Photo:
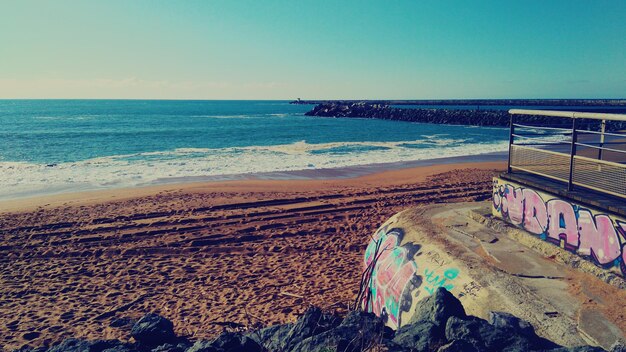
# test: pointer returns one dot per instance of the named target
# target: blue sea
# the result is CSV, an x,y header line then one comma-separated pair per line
x,y
51,146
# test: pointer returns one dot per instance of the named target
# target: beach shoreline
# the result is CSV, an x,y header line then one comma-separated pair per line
x,y
344,172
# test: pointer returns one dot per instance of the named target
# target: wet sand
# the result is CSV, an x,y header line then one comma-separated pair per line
x,y
205,255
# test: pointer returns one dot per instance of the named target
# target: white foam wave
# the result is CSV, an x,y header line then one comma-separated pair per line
x,y
243,116
225,116
144,168
65,118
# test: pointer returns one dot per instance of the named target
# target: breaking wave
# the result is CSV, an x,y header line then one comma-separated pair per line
x,y
24,178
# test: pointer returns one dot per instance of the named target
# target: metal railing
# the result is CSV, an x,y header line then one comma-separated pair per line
x,y
579,149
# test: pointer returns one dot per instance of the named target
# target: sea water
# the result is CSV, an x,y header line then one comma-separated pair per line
x,y
49,146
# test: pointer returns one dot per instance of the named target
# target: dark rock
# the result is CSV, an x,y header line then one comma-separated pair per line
x,y
337,339
391,346
24,348
312,322
509,321
153,330
357,332
458,346
272,338
388,333
235,342
420,336
578,349
121,323
101,345
76,345
120,348
27,348
71,345
168,347
484,336
438,308
362,329
202,346
367,322
512,324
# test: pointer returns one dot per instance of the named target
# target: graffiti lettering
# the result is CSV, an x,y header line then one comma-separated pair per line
x,y
535,215
568,225
435,258
562,223
470,289
600,241
393,277
513,204
432,281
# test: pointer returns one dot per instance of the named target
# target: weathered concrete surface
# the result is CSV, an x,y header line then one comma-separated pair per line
x,y
489,270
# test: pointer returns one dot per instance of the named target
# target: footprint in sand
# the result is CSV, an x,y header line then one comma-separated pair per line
x,y
31,335
66,316
12,325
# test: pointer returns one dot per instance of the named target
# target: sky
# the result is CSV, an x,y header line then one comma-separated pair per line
x,y
270,49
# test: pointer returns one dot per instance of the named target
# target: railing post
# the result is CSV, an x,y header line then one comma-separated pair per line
x,y
602,130
570,184
511,132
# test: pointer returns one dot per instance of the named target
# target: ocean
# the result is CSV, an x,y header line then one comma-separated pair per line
x,y
53,146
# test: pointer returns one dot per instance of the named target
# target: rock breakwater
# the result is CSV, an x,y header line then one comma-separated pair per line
x,y
477,117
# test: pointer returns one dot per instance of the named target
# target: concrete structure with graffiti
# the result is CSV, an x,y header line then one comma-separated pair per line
x,y
488,269
404,265
565,192
595,234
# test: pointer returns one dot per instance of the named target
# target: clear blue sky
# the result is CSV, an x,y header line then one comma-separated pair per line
x,y
313,49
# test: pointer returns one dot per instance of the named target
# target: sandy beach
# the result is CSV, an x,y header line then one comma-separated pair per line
x,y
206,255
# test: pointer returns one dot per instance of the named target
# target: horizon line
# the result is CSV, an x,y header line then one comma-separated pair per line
x,y
312,100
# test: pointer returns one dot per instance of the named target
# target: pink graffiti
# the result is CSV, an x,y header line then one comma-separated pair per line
x,y
535,214
600,238
566,224
562,224
389,264
513,204
393,270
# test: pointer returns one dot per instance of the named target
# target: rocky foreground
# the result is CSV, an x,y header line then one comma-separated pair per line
x,y
441,324
484,117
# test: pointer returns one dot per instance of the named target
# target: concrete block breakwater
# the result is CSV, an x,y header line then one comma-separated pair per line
x,y
489,118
